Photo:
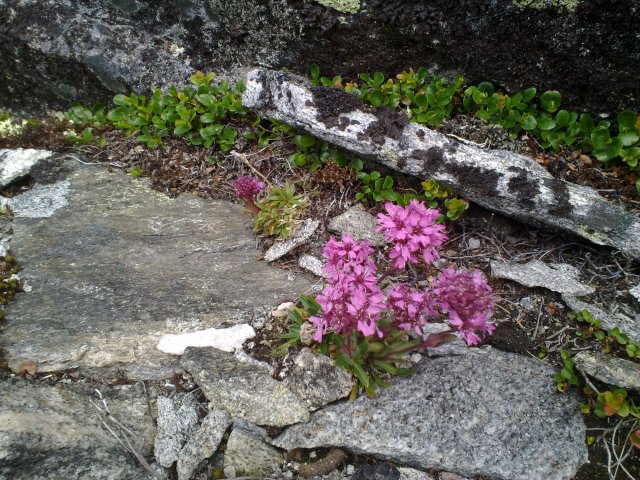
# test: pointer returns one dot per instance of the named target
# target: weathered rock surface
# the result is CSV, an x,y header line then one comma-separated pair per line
x,y
311,263
116,265
502,181
635,293
249,453
243,389
485,413
281,248
55,432
609,369
203,444
177,423
627,325
561,277
413,474
358,223
317,381
113,46
15,164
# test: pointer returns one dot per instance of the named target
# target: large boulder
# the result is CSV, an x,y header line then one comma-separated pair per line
x,y
53,52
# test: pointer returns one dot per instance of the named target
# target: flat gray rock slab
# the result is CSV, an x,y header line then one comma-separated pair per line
x,y
358,223
281,248
55,432
176,425
15,164
485,413
561,278
117,265
609,369
243,389
249,453
627,324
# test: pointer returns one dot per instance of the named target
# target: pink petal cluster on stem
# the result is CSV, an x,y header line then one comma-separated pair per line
x,y
413,231
247,187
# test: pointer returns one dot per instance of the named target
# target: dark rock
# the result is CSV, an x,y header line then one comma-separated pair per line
x,y
115,265
485,413
507,182
376,472
55,431
55,52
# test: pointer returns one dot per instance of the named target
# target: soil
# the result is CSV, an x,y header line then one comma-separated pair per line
x,y
529,321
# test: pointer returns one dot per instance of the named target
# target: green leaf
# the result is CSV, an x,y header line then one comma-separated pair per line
x,y
528,122
376,98
629,138
626,121
528,95
359,372
181,129
562,118
586,124
486,87
421,101
600,138
388,183
304,141
550,100
545,123
479,97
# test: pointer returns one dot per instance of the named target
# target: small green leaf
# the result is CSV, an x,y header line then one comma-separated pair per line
x,y
550,100
528,122
528,95
545,123
629,138
304,141
626,121
562,118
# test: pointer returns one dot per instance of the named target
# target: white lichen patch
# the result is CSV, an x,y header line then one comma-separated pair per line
x,y
226,339
41,201
344,6
569,5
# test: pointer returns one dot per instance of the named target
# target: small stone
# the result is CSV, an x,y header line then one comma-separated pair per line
x,y
174,428
609,369
281,248
203,444
229,472
413,474
245,390
473,243
307,331
317,381
561,277
350,469
311,263
415,357
15,164
313,454
635,292
527,304
248,452
358,223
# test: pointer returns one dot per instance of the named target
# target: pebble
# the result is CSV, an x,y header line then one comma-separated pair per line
x,y
585,159
229,472
350,469
473,243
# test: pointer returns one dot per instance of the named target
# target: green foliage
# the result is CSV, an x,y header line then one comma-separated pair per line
x,y
567,375
609,340
611,403
268,131
280,212
136,171
297,316
379,189
430,100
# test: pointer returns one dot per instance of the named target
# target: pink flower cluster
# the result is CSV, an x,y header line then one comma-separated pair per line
x,y
412,231
352,301
247,187
468,300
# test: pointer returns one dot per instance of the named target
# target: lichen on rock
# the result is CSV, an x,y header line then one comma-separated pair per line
x,y
344,6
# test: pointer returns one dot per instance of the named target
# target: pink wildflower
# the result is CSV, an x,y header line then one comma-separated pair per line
x,y
247,187
413,231
352,299
410,307
468,300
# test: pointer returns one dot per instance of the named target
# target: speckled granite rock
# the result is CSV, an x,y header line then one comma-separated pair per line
x,y
609,369
15,164
177,423
248,452
484,413
358,223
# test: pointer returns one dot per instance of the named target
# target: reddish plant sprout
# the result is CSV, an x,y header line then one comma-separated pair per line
x,y
468,300
413,232
352,300
411,307
246,189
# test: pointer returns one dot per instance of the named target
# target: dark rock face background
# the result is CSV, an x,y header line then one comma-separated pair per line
x,y
55,52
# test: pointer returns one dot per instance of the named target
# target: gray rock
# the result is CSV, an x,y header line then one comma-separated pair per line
x,y
509,183
203,444
15,164
55,432
561,277
358,223
175,428
280,249
455,347
635,292
243,389
229,472
609,369
486,413
413,474
42,201
311,263
121,265
627,325
249,453
317,381
381,471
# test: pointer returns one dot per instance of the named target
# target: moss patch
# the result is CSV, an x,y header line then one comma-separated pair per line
x,y
569,5
344,6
